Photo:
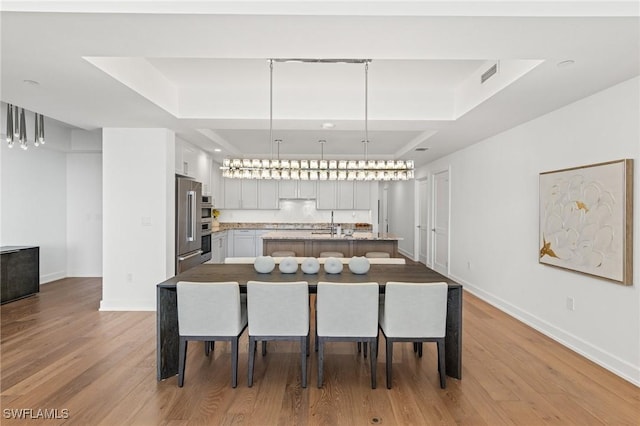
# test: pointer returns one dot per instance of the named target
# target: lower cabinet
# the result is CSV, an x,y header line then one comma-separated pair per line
x,y
245,242
219,247
20,272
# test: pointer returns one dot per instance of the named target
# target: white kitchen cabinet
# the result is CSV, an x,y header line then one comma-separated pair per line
x,y
268,194
362,195
244,243
219,247
189,160
343,195
216,186
297,189
250,194
326,195
203,174
232,193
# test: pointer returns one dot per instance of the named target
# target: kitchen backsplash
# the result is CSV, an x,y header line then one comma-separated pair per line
x,y
295,211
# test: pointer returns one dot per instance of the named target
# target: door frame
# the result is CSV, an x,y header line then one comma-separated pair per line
x,y
417,212
432,223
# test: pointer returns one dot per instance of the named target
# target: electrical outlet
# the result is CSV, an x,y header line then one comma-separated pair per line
x,y
571,304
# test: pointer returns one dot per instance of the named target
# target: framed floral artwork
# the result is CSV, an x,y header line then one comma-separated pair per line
x,y
586,220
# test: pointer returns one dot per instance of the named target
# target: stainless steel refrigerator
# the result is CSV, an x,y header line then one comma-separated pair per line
x,y
188,224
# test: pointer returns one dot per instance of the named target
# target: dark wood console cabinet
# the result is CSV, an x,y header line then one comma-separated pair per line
x,y
20,272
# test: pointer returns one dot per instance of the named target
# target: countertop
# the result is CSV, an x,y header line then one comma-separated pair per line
x,y
302,227
309,235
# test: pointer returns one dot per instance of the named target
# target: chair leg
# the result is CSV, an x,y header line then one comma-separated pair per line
x,y
364,348
359,347
234,363
320,348
264,347
420,349
207,348
415,347
389,362
182,360
441,364
252,357
308,344
303,356
374,362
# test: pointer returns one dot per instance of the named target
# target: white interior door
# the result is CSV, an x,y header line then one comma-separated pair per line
x,y
384,211
440,229
423,220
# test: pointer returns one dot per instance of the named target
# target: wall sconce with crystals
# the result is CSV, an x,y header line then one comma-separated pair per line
x,y
17,127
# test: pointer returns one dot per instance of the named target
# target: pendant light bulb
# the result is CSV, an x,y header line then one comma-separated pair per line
x,y
9,128
40,134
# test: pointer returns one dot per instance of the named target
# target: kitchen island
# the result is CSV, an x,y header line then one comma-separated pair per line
x,y
312,243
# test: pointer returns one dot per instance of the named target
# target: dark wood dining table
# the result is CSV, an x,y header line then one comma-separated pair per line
x,y
167,310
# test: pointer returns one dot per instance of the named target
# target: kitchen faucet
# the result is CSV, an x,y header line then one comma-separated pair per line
x,y
332,227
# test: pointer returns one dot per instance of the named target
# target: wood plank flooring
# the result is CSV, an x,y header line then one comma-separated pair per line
x,y
58,352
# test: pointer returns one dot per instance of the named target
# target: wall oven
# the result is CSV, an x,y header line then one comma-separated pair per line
x,y
205,246
206,208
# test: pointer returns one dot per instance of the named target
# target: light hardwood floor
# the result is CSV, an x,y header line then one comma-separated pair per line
x,y
59,353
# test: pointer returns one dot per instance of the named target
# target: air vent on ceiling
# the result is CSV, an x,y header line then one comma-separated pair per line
x,y
489,73
421,149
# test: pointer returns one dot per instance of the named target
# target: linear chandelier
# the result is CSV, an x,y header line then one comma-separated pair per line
x,y
17,129
363,170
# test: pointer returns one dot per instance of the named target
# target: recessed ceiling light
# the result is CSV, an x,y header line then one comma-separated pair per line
x,y
421,149
31,82
217,150
328,125
567,63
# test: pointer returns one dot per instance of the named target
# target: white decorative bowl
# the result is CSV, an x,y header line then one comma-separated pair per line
x,y
264,264
359,265
288,265
310,265
332,265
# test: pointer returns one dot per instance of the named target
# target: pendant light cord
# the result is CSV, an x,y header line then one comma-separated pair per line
x,y
366,110
271,106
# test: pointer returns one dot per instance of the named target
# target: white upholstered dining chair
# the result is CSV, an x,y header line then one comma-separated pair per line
x,y
210,311
278,311
347,312
414,312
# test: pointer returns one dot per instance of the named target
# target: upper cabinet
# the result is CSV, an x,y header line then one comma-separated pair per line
x,y
250,194
194,163
297,189
217,183
203,174
186,159
343,195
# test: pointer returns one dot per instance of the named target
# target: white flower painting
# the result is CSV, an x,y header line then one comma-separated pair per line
x,y
585,219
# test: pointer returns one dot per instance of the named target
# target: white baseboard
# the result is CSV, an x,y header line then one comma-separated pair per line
x,y
598,355
126,305
405,253
54,276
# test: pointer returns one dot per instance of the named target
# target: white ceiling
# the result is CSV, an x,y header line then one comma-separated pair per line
x,y
201,68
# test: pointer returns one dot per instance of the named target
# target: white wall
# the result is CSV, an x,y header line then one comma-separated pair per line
x,y
33,198
34,205
84,215
138,216
494,226
401,202
51,198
